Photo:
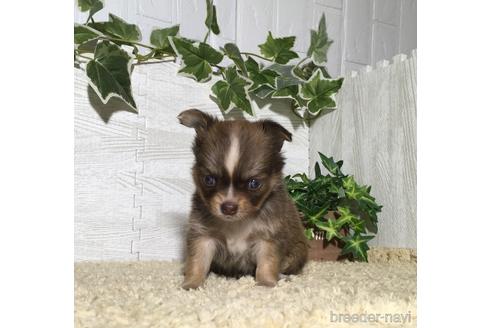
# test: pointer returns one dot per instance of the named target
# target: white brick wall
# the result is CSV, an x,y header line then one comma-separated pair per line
x,y
364,31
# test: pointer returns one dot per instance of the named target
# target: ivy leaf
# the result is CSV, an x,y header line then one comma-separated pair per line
x,y
309,233
121,29
233,90
278,49
288,91
149,55
349,183
93,6
263,91
263,79
315,214
371,225
197,58
357,246
317,170
346,216
159,38
358,225
109,73
320,92
331,166
286,84
319,43
232,51
84,33
331,227
352,189
306,71
304,178
211,20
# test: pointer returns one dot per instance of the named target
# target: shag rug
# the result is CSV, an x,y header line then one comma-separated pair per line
x,y
381,293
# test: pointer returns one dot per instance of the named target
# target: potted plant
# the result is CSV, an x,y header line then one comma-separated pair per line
x,y
339,215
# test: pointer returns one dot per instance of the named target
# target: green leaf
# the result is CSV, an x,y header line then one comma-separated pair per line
x,y
317,170
358,225
86,5
233,91
278,49
319,43
309,233
261,77
93,6
109,73
330,165
331,227
159,38
263,91
196,58
84,33
353,190
286,83
211,20
319,92
232,51
357,246
346,216
304,178
371,226
316,216
121,29
305,71
349,183
149,55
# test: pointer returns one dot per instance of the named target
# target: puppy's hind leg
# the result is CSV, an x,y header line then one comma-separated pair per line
x,y
200,255
295,260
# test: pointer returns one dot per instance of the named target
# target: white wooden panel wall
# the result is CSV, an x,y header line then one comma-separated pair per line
x,y
374,132
364,31
133,171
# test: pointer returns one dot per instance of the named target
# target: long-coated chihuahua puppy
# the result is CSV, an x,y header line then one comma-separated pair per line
x,y
242,221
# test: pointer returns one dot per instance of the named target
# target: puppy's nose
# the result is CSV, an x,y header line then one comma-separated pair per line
x,y
228,208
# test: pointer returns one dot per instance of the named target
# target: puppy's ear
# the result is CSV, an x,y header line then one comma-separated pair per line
x,y
198,120
278,132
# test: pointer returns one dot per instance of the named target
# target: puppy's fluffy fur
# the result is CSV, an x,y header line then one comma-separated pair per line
x,y
242,220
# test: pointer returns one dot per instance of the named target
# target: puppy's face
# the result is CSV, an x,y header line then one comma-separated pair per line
x,y
238,163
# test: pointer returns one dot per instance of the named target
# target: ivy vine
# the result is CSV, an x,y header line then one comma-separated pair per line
x,y
108,51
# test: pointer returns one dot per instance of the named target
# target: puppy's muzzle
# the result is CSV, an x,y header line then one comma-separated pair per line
x,y
228,208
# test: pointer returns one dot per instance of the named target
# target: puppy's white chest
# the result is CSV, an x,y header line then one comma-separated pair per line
x,y
237,245
238,240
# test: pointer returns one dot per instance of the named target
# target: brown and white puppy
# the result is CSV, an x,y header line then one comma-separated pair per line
x,y
242,220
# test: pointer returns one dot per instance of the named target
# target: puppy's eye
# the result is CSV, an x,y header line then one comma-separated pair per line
x,y
254,184
209,180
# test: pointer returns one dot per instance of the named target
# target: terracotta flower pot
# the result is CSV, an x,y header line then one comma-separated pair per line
x,y
320,250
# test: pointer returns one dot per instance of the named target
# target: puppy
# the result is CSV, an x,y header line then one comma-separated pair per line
x,y
242,220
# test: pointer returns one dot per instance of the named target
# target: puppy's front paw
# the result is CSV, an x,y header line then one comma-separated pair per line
x,y
191,284
266,282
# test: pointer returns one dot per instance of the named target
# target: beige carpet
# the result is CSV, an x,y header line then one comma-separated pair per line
x,y
326,294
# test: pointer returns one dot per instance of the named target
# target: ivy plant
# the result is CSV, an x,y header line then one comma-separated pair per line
x,y
336,207
109,50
